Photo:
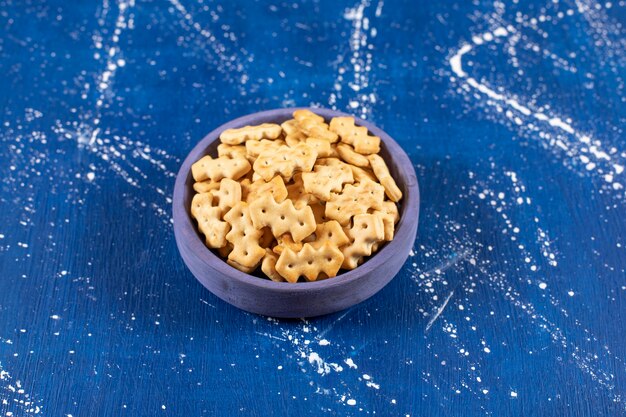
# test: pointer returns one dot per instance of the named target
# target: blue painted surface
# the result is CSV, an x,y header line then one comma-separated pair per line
x,y
514,300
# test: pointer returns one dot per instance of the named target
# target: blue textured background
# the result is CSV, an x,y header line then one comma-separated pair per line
x,y
513,302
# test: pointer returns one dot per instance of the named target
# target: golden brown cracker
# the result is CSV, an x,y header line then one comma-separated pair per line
x,y
382,173
218,168
255,147
240,135
231,151
348,154
225,251
205,186
319,209
268,266
367,229
304,114
285,241
267,239
297,194
313,126
331,232
357,136
209,220
390,216
361,174
327,178
309,262
290,126
321,146
244,237
282,217
295,138
242,268
353,200
285,161
276,187
227,195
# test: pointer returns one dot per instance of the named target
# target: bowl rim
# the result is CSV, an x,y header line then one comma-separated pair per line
x,y
204,254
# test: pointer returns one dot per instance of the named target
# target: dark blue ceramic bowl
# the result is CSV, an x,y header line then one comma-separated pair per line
x,y
302,299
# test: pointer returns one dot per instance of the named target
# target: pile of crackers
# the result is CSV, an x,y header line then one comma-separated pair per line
x,y
300,199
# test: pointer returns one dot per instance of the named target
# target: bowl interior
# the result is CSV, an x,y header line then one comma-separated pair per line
x,y
390,151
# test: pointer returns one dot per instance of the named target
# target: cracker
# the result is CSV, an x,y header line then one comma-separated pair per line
x,y
293,134
361,174
285,161
227,195
318,209
294,138
242,268
348,154
268,266
244,237
255,147
267,239
248,176
309,262
366,231
327,176
313,125
231,151
321,146
226,250
330,232
205,186
209,220
390,216
239,136
353,200
285,241
290,126
357,136
333,151
366,145
382,173
245,188
222,167
297,194
275,187
282,217
346,129
303,114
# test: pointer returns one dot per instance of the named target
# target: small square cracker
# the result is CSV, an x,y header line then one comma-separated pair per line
x,y
309,262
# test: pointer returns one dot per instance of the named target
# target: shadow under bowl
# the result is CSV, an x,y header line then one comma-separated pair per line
x,y
302,299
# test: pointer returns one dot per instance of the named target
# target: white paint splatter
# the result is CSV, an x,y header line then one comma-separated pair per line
x,y
323,367
117,153
361,95
578,145
439,311
229,64
350,363
14,399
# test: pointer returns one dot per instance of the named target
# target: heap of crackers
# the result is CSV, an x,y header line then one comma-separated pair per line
x,y
300,199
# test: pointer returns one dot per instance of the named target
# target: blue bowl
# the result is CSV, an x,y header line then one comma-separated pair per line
x,y
302,299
